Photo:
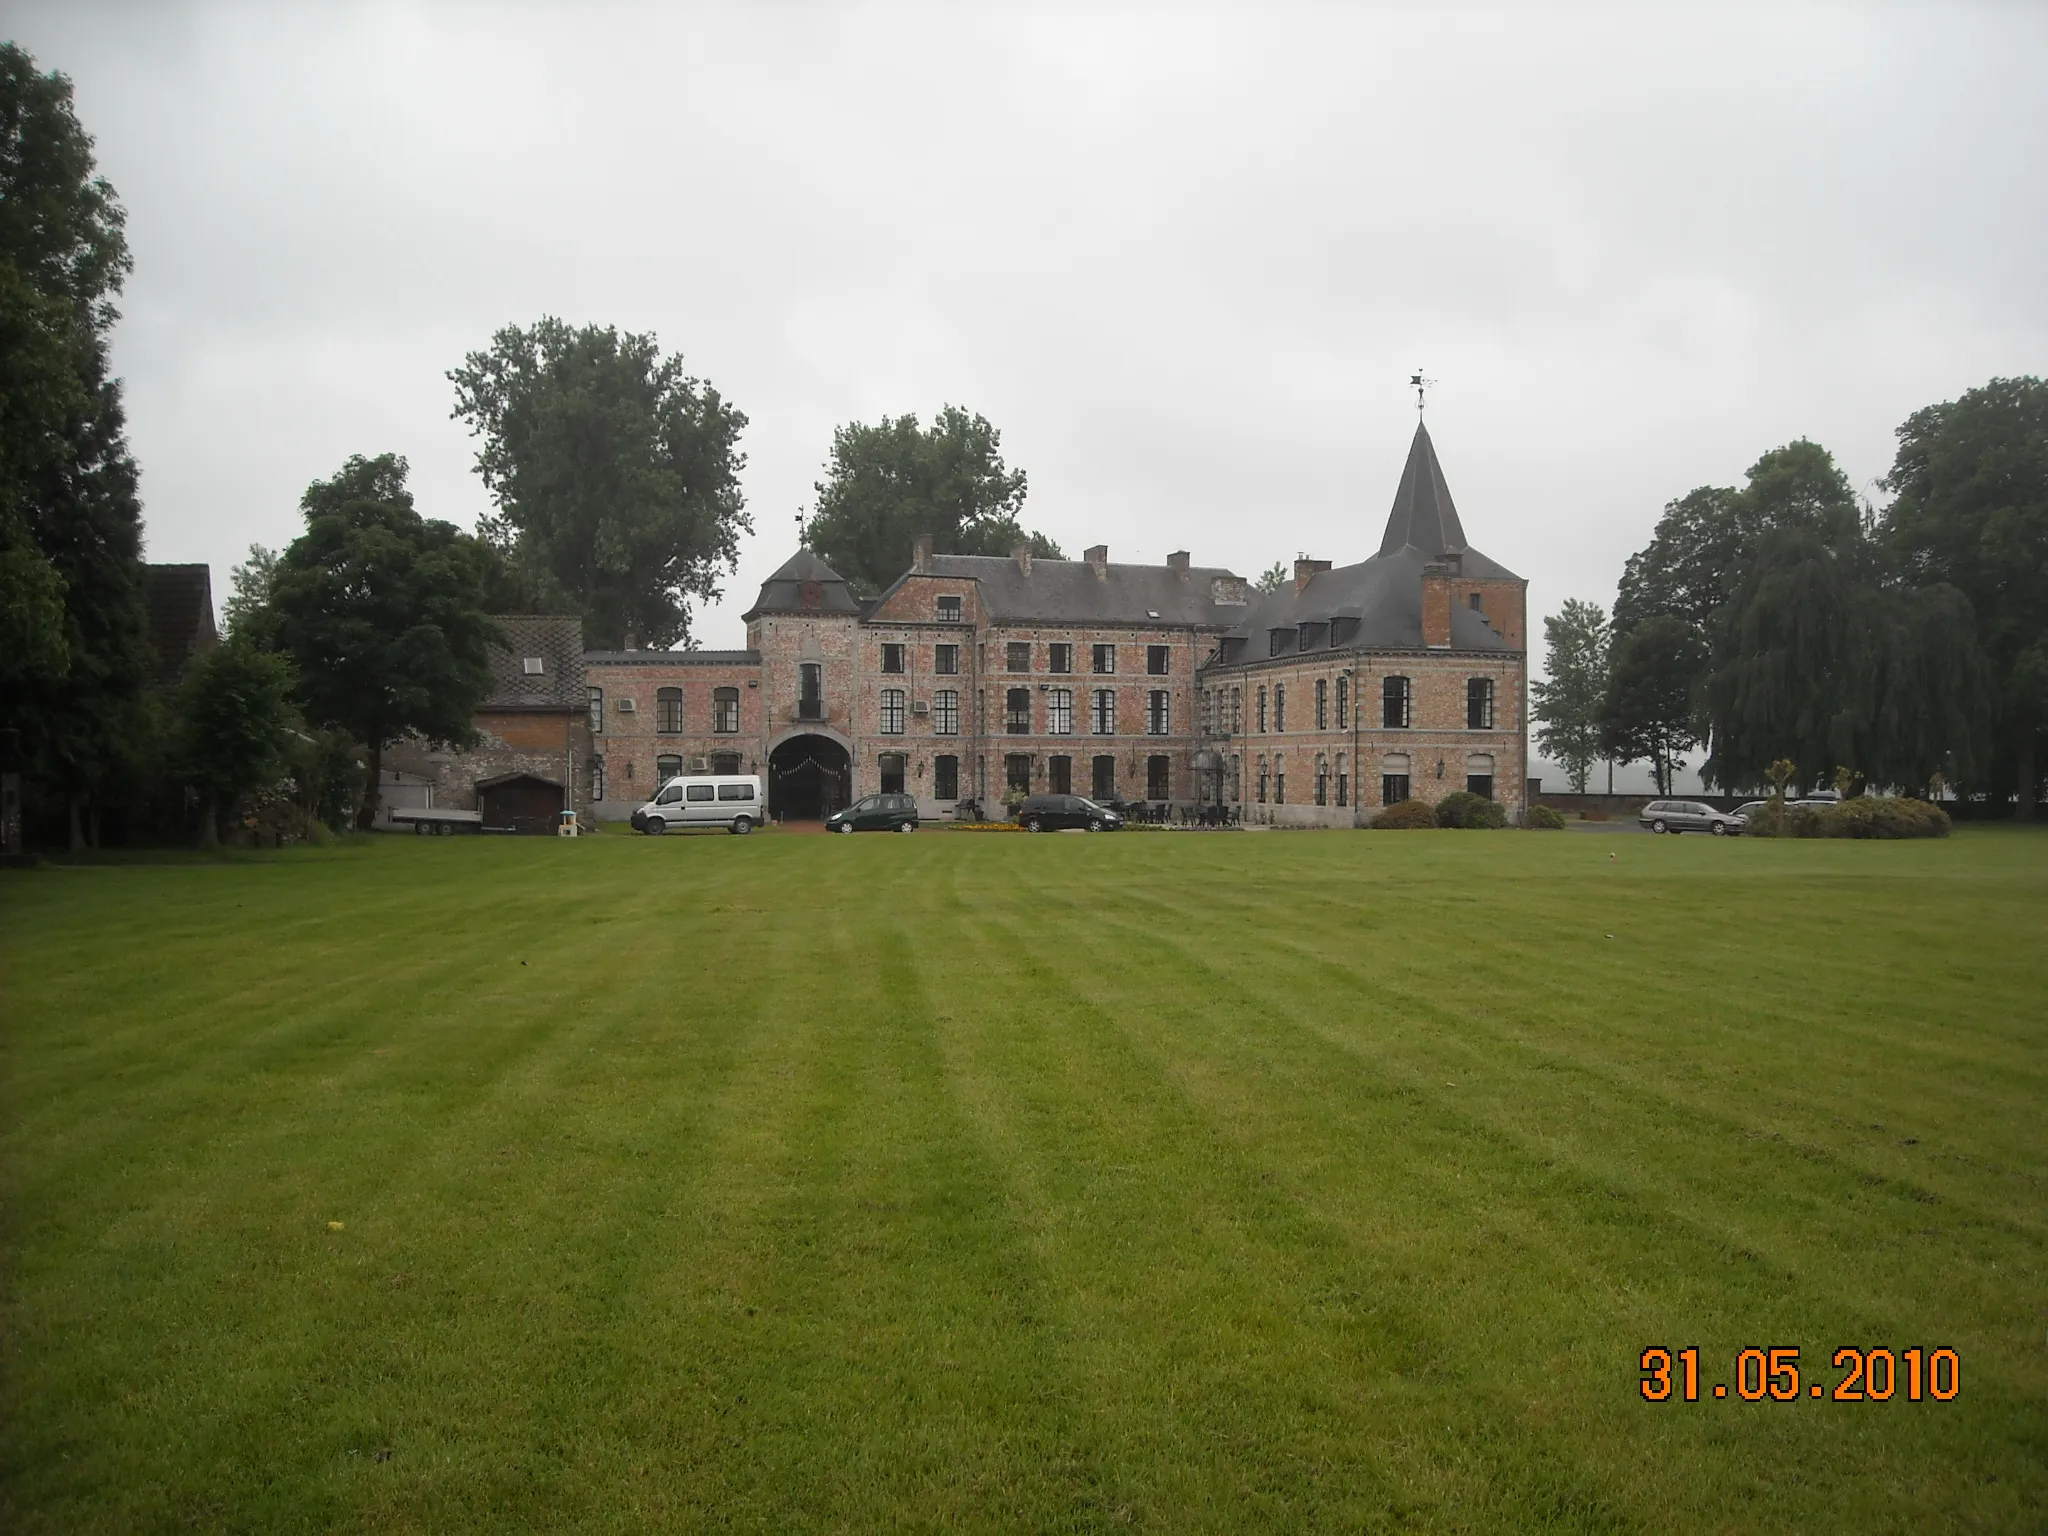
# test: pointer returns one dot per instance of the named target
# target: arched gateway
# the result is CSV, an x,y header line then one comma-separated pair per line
x,y
809,777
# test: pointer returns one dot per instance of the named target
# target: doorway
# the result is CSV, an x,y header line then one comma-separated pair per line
x,y
809,777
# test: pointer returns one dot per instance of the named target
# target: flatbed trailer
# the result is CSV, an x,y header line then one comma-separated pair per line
x,y
440,823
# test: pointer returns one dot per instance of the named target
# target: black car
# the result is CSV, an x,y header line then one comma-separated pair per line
x,y
1049,813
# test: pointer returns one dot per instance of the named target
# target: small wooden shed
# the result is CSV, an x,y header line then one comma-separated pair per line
x,y
520,802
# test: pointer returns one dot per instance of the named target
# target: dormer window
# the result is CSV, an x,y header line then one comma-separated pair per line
x,y
534,666
949,610
1277,641
1305,637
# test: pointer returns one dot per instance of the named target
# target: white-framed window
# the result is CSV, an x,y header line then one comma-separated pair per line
x,y
533,666
1102,717
946,660
725,711
1105,659
949,610
946,716
668,711
1158,712
892,711
1059,712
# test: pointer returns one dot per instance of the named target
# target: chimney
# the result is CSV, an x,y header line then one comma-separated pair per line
x,y
632,641
1436,605
921,555
1305,570
1022,555
1178,561
1097,556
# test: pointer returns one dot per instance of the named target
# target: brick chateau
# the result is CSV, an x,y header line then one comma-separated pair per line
x,y
1351,687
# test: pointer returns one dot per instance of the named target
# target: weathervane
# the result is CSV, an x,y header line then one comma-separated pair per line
x,y
1420,384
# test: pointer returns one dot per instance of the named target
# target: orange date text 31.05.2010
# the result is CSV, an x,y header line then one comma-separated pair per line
x,y
1772,1375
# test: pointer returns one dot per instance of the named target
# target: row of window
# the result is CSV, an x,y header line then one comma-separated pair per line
x,y
1335,788
1059,712
668,711
1223,709
1059,776
666,767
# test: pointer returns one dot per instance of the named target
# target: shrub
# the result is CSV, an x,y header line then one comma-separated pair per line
x,y
1543,819
1865,816
1405,815
1462,808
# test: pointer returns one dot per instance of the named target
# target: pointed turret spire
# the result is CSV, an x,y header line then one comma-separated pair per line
x,y
1423,514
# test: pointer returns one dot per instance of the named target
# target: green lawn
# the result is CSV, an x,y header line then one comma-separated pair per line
x,y
1175,1182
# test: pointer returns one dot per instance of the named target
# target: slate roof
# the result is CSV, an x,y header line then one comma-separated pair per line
x,y
179,599
557,639
672,658
1070,592
783,591
1384,594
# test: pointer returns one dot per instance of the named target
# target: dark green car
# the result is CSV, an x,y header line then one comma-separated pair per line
x,y
877,813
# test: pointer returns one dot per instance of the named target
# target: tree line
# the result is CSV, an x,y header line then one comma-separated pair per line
x,y
614,478
1786,620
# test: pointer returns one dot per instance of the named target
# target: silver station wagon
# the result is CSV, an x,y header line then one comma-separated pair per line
x,y
1689,816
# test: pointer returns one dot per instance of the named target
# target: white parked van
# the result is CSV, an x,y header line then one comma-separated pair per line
x,y
728,800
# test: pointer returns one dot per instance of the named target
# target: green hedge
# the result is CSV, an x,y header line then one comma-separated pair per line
x,y
1405,816
1543,819
1462,808
1865,816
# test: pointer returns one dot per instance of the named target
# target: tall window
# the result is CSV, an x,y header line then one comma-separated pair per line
x,y
725,762
1105,778
1018,656
1105,659
892,711
1236,780
1279,706
1237,711
1060,657
892,657
1480,784
1158,660
725,711
597,778
1393,788
1059,711
890,765
1264,780
1158,712
946,716
810,691
949,610
1322,780
1343,782
946,778
1262,720
1103,719
597,714
1343,706
1059,775
1279,781
1394,704
946,660
666,767
1479,703
1017,773
1322,705
668,711
1159,776
1017,712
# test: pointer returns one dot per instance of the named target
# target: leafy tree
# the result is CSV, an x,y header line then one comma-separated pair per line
x,y
233,712
382,613
1647,712
1272,578
888,484
1970,482
1568,701
70,520
249,590
616,476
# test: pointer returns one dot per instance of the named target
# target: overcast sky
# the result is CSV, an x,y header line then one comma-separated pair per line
x,y
1185,258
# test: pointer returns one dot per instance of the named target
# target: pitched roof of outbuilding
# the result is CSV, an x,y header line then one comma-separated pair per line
x,y
557,639
1072,591
179,600
783,592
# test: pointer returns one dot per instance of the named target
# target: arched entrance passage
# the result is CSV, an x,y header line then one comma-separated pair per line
x,y
809,777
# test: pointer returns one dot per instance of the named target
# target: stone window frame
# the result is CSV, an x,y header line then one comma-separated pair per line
x,y
1102,659
1102,712
1262,720
1479,699
1159,712
1343,781
945,766
892,657
1059,774
1013,652
946,660
1279,778
1322,706
1016,715
1279,709
1059,712
1158,661
1158,777
1322,779
893,711
1060,657
946,713
1265,778
668,711
1343,701
725,711
1102,776
1397,703
662,772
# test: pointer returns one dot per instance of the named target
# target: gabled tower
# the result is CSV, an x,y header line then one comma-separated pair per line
x,y
1424,516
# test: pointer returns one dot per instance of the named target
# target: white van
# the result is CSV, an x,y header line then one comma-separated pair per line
x,y
728,800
